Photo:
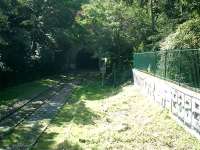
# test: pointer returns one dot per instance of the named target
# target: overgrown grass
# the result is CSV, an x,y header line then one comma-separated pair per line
x,y
110,118
76,112
92,90
97,119
16,93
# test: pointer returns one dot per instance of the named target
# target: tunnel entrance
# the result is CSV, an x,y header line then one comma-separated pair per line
x,y
86,61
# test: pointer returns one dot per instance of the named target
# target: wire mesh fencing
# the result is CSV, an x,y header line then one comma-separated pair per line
x,y
180,66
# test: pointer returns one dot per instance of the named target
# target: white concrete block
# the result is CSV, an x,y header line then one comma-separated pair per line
x,y
181,100
181,112
175,108
196,105
196,121
168,101
188,103
188,117
174,95
183,103
174,102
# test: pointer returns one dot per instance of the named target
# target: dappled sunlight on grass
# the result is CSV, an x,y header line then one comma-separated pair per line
x,y
49,140
96,117
93,91
69,145
72,114
26,90
21,135
77,113
125,121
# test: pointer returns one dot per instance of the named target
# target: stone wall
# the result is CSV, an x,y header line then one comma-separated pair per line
x,y
183,103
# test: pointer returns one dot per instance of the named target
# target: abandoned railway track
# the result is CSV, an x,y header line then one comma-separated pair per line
x,y
11,109
27,133
17,115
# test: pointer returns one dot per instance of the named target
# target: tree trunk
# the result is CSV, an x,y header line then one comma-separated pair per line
x,y
153,18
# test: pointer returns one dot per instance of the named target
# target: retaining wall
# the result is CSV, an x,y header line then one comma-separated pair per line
x,y
183,103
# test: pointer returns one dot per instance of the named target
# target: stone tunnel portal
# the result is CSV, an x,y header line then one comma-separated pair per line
x,y
86,61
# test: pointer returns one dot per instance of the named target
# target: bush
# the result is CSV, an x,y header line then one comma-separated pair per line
x,y
187,35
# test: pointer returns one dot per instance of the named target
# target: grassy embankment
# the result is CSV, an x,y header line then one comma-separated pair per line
x,y
107,118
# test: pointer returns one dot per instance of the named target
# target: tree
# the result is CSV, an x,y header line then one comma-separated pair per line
x,y
183,66
35,35
114,29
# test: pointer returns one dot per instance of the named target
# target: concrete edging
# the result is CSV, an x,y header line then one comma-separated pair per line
x,y
183,103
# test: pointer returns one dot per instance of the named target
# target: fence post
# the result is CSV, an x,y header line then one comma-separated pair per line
x,y
165,68
114,75
198,69
179,80
155,63
194,65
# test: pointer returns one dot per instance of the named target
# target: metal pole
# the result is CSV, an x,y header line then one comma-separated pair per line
x,y
103,70
179,80
155,67
165,68
102,82
114,74
198,69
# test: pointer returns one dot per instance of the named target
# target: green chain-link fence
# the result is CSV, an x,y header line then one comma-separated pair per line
x,y
181,66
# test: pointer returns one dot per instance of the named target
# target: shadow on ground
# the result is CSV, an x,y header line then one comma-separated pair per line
x,y
87,87
77,113
93,90
62,146
20,138
25,91
69,146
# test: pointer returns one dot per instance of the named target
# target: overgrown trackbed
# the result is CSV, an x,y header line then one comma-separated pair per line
x,y
110,118
22,125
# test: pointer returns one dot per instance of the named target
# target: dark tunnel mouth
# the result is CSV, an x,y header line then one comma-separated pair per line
x,y
86,61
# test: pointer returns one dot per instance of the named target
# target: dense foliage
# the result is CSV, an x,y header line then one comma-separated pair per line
x,y
186,36
35,36
39,37
179,52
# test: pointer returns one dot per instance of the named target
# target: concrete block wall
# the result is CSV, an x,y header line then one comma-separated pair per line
x,y
183,103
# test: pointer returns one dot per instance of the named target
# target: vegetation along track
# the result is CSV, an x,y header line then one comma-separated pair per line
x,y
11,109
17,115
26,134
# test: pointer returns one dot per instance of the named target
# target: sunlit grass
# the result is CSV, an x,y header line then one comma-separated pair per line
x,y
97,117
92,90
13,94
125,120
77,113
22,135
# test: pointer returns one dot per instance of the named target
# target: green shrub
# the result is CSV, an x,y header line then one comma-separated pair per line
x,y
187,35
